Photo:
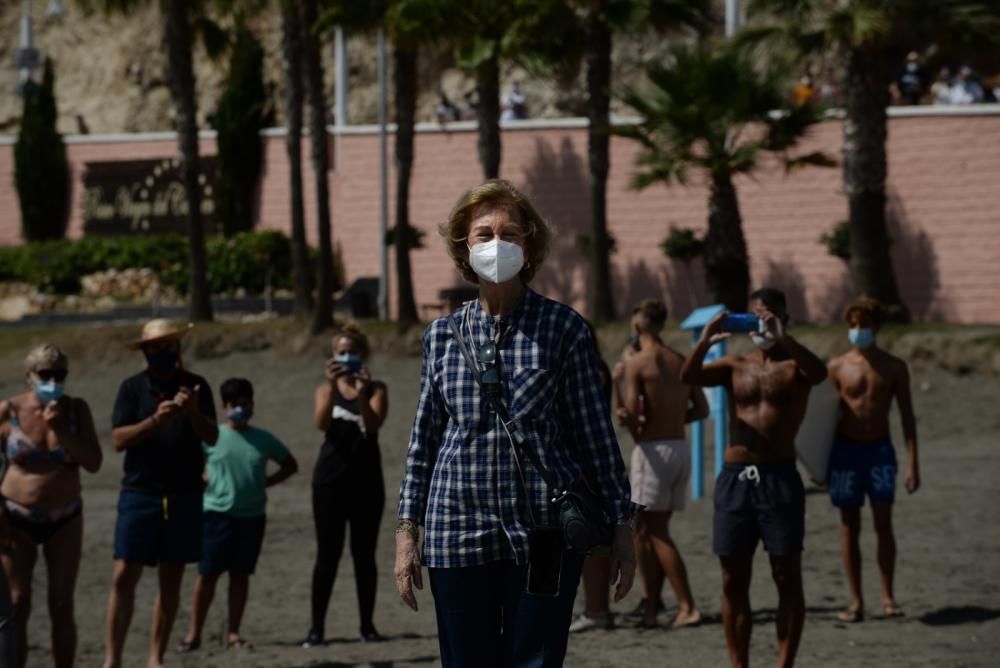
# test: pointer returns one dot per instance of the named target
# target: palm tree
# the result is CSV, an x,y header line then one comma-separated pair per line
x,y
409,24
323,314
701,113
485,32
600,20
178,41
866,37
291,48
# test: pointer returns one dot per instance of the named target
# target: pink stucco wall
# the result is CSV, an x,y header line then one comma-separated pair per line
x,y
944,211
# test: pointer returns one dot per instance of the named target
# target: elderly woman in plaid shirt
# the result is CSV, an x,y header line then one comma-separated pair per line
x,y
476,500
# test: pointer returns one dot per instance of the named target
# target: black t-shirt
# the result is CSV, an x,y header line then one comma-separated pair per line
x,y
170,458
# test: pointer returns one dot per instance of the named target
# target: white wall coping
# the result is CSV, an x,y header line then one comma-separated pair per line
x,y
572,123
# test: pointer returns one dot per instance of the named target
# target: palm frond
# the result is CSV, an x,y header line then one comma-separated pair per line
x,y
814,159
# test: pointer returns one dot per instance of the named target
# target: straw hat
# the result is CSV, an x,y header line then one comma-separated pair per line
x,y
158,330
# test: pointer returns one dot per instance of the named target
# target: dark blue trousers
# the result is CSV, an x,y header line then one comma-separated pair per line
x,y
485,617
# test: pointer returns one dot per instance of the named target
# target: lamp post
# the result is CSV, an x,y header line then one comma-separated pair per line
x,y
27,56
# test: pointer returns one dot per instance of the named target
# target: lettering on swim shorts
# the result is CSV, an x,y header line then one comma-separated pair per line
x,y
842,483
883,477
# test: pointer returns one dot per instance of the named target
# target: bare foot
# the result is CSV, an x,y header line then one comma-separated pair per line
x,y
234,641
851,615
891,609
689,618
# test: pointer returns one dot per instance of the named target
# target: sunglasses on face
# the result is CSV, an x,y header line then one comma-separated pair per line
x,y
45,375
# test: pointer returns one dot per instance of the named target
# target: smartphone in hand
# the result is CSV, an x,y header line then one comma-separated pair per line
x,y
741,323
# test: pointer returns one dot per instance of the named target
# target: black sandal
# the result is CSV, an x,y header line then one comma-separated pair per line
x,y
188,646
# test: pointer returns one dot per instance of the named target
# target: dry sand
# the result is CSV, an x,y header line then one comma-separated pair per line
x,y
948,571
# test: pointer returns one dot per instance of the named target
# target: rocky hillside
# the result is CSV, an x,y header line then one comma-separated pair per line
x,y
109,71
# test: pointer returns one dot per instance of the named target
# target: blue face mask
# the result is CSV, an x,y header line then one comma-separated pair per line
x,y
162,361
351,361
240,415
633,341
862,337
48,390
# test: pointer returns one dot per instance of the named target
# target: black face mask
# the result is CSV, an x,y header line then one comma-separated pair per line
x,y
162,362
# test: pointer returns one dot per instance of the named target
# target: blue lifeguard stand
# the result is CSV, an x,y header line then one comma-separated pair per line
x,y
717,403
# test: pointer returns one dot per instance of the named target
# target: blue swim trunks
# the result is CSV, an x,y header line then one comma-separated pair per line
x,y
862,467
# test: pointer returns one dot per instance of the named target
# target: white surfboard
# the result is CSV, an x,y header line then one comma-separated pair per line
x,y
814,441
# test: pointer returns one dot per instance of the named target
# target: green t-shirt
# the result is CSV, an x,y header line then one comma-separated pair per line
x,y
237,470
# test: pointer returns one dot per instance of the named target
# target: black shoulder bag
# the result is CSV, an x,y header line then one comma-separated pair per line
x,y
582,513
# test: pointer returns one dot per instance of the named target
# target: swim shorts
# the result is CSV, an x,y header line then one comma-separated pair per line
x,y
759,502
153,528
231,544
862,467
660,471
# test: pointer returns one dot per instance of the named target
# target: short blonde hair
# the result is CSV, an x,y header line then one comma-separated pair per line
x,y
352,332
45,353
490,196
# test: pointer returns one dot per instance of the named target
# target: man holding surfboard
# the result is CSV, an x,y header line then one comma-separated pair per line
x,y
759,494
863,459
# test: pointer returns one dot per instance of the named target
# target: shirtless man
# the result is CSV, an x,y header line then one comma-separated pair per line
x,y
759,494
863,459
661,459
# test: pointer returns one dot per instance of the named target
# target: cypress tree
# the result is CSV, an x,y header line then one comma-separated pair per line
x,y
41,171
239,120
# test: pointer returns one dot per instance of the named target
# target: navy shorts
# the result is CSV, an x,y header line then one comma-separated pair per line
x,y
862,467
762,502
152,527
231,544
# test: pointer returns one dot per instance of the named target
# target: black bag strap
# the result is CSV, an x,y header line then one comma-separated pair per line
x,y
517,439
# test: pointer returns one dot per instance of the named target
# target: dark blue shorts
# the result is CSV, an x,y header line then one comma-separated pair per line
x,y
862,467
152,528
763,502
231,544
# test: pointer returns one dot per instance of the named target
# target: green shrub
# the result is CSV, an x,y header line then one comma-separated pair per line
x,y
838,241
682,244
248,261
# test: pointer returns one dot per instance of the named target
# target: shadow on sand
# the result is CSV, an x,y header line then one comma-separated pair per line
x,y
963,614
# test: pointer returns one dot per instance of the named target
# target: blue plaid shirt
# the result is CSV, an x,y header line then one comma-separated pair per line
x,y
461,480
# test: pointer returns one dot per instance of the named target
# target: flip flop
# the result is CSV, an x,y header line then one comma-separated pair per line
x,y
850,616
892,610
188,646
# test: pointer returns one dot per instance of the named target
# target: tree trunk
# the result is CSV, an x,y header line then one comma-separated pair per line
x,y
866,97
488,91
727,268
405,82
323,315
602,308
291,45
177,35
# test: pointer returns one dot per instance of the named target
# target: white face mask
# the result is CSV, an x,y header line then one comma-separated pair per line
x,y
496,261
762,339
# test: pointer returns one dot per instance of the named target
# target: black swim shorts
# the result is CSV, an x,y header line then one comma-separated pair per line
x,y
759,502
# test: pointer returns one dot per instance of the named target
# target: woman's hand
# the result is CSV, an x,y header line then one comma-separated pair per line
x,y
55,417
622,561
334,370
407,568
363,382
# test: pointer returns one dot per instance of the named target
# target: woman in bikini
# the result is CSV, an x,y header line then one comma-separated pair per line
x,y
46,438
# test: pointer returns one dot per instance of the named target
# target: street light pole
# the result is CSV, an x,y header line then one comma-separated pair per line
x,y
383,184
28,57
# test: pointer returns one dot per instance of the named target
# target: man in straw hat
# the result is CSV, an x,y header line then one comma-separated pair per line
x,y
161,417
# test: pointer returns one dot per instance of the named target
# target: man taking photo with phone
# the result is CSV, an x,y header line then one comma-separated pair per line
x,y
759,494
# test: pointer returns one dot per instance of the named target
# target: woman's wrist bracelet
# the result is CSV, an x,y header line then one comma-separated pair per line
x,y
407,526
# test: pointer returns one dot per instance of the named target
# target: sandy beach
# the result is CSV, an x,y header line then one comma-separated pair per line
x,y
948,573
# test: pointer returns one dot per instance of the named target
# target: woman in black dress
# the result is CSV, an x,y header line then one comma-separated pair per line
x,y
350,408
